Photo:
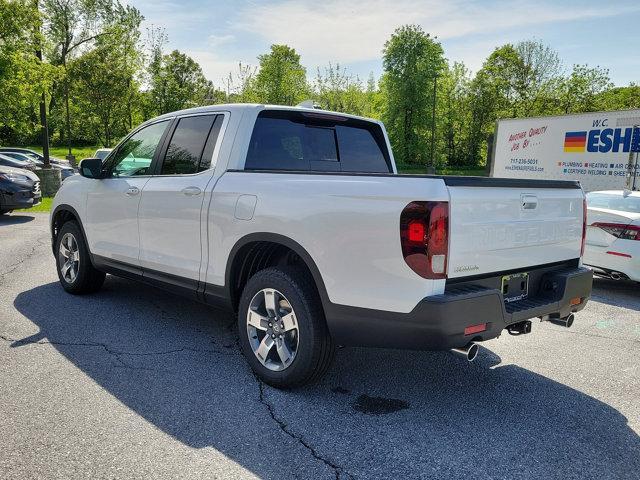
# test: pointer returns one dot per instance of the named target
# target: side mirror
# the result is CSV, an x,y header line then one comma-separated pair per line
x,y
91,168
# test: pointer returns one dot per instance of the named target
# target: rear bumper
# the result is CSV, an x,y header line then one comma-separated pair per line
x,y
438,322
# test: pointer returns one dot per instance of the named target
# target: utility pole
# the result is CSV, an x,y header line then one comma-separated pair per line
x,y
49,178
633,152
433,122
43,104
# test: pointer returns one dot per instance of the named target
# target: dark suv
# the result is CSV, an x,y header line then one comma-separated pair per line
x,y
18,189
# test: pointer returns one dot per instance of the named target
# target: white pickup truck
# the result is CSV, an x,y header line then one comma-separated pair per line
x,y
297,220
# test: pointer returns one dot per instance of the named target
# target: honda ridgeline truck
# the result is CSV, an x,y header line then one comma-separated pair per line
x,y
297,220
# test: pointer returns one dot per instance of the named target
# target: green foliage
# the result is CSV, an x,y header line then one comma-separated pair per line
x,y
337,90
619,98
106,89
177,82
412,62
281,79
581,91
454,116
100,79
23,78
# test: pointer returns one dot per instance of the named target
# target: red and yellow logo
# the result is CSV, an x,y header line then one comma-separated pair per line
x,y
575,142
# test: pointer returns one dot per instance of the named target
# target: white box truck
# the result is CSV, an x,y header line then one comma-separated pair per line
x,y
599,149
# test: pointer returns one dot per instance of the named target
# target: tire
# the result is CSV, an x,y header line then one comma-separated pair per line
x,y
299,306
86,278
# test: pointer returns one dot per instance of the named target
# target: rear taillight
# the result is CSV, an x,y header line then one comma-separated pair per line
x,y
625,232
424,236
584,226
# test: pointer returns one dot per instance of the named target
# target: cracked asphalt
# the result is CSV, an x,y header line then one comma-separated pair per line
x,y
134,382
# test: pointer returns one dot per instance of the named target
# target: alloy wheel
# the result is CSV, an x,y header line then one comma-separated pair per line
x,y
69,258
272,328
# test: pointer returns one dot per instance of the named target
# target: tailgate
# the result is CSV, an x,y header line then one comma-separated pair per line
x,y
496,229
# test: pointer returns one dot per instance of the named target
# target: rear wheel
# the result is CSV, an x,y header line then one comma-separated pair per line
x,y
282,329
75,270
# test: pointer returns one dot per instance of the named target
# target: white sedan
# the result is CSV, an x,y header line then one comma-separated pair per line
x,y
613,234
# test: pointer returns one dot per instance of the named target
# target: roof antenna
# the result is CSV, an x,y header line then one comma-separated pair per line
x,y
309,104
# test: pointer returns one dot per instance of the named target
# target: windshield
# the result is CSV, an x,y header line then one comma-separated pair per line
x,y
613,201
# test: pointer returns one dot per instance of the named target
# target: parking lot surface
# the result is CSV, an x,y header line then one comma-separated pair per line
x,y
133,382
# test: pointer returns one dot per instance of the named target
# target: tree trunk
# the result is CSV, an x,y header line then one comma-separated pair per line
x,y
66,107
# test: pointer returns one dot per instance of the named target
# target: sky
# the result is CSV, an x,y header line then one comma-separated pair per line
x,y
220,34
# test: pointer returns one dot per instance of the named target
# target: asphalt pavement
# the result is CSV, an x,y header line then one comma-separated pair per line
x,y
133,382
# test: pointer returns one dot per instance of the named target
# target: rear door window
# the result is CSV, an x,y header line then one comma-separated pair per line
x,y
187,145
297,141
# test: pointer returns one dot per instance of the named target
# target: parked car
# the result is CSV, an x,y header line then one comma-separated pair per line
x,y
64,171
297,220
102,153
18,189
613,234
35,155
6,161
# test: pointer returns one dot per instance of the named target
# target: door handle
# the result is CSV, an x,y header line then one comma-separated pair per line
x,y
529,202
131,191
191,191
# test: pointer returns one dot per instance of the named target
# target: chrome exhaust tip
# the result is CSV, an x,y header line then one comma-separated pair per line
x,y
563,322
470,352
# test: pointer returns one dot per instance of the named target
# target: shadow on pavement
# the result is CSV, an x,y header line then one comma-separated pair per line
x,y
173,363
15,219
620,293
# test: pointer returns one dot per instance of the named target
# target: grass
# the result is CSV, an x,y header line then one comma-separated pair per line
x,y
61,152
43,206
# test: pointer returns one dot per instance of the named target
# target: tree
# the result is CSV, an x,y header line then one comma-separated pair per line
x,y
177,82
620,98
107,101
538,73
580,91
23,78
239,84
336,89
412,61
454,115
73,26
281,79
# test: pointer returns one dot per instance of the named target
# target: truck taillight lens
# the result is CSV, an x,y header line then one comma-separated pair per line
x,y
424,236
584,226
625,232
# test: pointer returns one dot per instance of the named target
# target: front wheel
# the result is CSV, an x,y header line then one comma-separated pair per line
x,y
75,270
282,329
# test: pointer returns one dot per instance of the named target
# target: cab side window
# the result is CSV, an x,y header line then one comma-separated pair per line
x,y
191,146
135,155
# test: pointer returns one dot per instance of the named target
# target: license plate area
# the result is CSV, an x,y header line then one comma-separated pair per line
x,y
515,287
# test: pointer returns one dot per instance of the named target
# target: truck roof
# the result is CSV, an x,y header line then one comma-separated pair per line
x,y
239,107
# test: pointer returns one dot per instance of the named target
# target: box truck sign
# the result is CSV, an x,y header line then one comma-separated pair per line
x,y
598,149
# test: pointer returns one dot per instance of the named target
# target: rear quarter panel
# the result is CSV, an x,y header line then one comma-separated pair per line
x,y
349,225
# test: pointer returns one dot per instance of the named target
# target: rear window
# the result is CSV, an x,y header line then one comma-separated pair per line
x,y
285,140
611,201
